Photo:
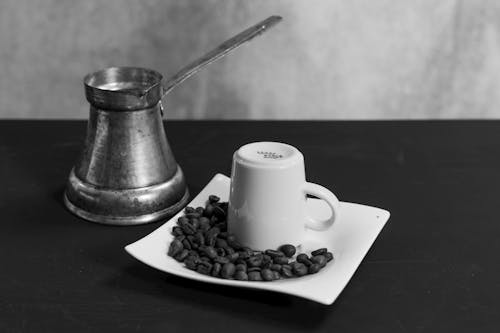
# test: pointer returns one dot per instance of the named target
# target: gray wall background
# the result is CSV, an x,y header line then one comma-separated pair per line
x,y
327,60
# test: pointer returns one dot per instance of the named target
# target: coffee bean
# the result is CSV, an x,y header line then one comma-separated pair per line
x,y
219,212
216,269
275,267
276,275
209,210
194,244
205,260
204,220
299,269
199,239
221,225
221,252
241,267
181,255
328,256
281,260
233,256
254,276
181,220
253,269
228,270
301,256
320,260
204,224
175,247
314,268
240,260
195,223
237,246
221,260
241,275
186,244
189,209
210,252
204,269
180,238
188,228
220,242
267,274
210,241
266,265
191,262
245,253
229,250
288,249
204,227
304,259
254,261
274,253
211,236
231,240
318,252
177,231
286,271
199,210
213,198
194,253
224,206
223,234
194,215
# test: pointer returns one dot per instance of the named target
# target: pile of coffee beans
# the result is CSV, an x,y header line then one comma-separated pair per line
x,y
202,243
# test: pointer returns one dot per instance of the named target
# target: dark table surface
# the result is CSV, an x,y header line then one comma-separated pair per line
x,y
434,267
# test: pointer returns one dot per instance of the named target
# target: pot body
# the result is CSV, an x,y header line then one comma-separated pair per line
x,y
127,173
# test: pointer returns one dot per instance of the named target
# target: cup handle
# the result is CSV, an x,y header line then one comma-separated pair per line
x,y
332,201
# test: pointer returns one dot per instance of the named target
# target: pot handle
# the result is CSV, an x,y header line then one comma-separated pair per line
x,y
219,52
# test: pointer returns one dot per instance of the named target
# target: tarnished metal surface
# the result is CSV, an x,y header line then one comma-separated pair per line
x,y
127,173
126,206
126,150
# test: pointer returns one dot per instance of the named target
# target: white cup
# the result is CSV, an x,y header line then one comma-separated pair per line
x,y
267,200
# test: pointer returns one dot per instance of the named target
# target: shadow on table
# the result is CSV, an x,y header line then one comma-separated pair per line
x,y
58,196
278,309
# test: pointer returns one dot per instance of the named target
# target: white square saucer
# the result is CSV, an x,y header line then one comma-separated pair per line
x,y
349,239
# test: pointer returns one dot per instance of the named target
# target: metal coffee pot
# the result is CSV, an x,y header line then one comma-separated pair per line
x,y
127,173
